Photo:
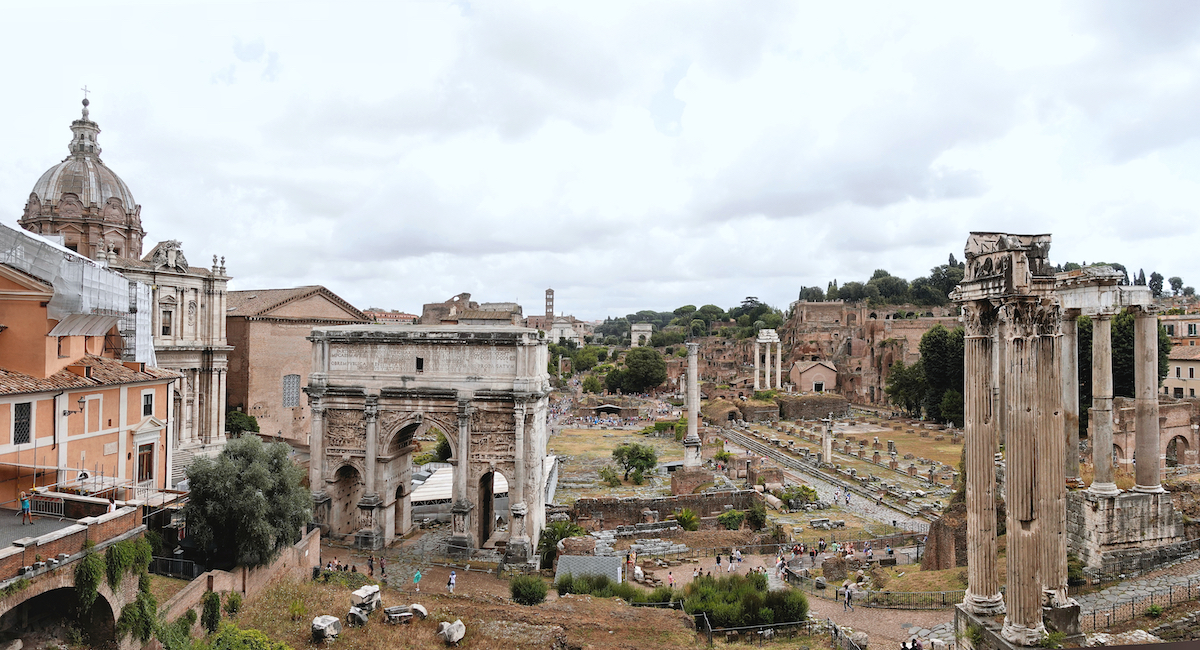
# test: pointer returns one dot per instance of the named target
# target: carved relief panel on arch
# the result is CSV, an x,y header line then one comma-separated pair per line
x,y
345,429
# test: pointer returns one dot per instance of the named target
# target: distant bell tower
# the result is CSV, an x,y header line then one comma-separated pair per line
x,y
549,306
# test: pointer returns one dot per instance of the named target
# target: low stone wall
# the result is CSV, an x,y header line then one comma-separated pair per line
x,y
296,562
687,480
595,514
812,407
759,412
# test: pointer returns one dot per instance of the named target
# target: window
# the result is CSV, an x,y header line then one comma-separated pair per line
x,y
1192,372
420,364
291,391
1177,372
1191,329
166,322
145,462
21,422
1170,330
1191,392
1178,392
147,404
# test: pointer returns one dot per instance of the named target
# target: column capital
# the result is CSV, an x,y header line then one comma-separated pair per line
x,y
979,318
371,408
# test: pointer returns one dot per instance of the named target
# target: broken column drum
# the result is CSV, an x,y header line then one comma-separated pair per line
x,y
376,389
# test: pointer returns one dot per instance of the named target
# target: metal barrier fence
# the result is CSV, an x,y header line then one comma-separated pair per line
x,y
879,599
47,506
775,630
1103,617
878,544
175,568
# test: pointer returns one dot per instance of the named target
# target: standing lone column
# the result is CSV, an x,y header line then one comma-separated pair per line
x,y
693,389
1051,446
1145,379
1070,396
1101,413
983,586
778,366
757,371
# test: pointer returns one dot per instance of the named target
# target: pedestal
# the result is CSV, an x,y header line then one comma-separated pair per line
x,y
369,536
462,541
322,509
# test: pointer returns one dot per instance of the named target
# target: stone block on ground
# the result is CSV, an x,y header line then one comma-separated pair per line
x,y
356,617
419,611
452,633
325,628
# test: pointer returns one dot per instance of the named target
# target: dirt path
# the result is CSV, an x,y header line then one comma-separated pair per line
x,y
886,628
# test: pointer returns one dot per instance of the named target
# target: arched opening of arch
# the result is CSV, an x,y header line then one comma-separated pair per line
x,y
348,489
53,618
1118,456
1177,451
492,506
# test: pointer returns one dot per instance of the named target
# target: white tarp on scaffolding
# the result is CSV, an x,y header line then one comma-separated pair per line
x,y
82,287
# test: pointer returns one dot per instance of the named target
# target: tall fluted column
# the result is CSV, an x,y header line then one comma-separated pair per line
x,y
519,538
1070,395
462,538
371,415
316,447
983,586
1145,378
1023,602
1051,446
757,370
1101,413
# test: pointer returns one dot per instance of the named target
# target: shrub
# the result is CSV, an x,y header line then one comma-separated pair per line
x,y
732,519
347,579
756,518
527,590
1054,639
637,477
210,617
139,617
1154,611
233,603
736,600
297,610
688,519
609,475
601,587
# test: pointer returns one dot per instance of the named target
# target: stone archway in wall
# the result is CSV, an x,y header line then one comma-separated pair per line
x,y
348,489
1118,456
1177,450
58,609
399,429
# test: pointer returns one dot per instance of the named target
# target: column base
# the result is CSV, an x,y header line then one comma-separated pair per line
x,y
1104,489
1064,618
1022,635
984,605
1149,489
517,551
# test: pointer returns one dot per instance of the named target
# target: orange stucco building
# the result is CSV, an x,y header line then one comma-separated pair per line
x,y
70,408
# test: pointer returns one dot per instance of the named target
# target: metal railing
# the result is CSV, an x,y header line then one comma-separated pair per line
x,y
47,506
175,568
771,631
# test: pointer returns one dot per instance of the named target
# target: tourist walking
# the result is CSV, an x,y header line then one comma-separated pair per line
x,y
370,565
417,580
847,604
718,563
26,510
450,583
382,566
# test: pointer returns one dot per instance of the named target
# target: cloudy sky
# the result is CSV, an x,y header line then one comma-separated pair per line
x,y
630,155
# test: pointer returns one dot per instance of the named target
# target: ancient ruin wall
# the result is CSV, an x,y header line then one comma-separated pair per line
x,y
609,512
812,407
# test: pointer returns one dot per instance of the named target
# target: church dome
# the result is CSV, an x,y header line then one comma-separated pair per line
x,y
82,190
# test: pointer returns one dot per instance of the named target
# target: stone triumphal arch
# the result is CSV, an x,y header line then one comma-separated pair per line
x,y
374,388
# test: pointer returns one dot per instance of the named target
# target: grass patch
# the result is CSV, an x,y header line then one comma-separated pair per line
x,y
163,587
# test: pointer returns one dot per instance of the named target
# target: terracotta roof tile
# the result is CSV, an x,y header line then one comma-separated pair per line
x,y
1185,353
260,301
105,372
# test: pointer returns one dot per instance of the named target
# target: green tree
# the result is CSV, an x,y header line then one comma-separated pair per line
x,y
442,450
552,534
585,359
942,365
688,519
248,503
237,423
906,386
615,379
644,369
1122,360
592,384
812,294
1176,284
1156,284
756,517
634,455
952,407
